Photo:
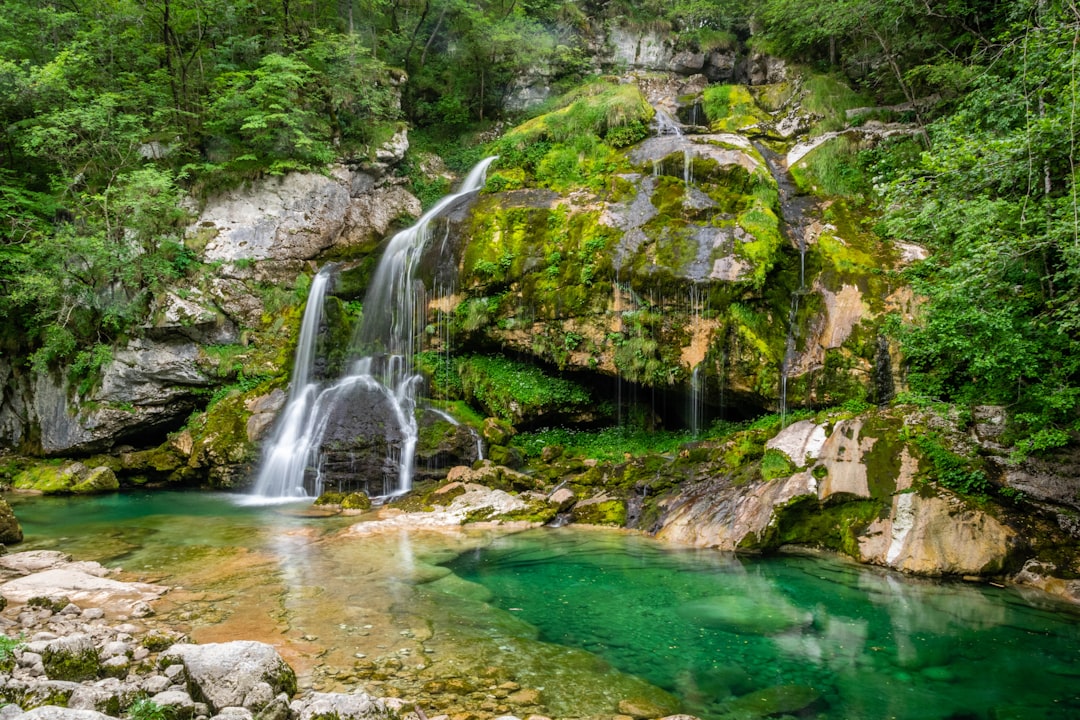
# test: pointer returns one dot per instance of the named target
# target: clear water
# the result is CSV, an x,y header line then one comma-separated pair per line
x,y
589,618
736,637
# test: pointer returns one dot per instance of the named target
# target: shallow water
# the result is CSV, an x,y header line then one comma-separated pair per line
x,y
584,618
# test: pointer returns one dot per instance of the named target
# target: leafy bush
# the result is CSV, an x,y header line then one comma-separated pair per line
x,y
144,708
952,471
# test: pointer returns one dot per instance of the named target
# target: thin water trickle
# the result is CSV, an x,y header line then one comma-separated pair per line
x,y
794,210
386,342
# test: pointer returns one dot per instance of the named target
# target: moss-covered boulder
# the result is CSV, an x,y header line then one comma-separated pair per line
x,y
600,510
10,529
59,478
73,657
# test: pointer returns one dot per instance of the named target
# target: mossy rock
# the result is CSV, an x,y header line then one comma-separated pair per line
x,y
356,501
98,480
598,511
65,479
506,456
73,658
10,529
497,431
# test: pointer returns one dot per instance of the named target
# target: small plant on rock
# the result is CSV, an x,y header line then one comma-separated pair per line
x,y
144,708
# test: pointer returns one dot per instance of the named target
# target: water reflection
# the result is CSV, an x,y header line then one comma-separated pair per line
x,y
586,619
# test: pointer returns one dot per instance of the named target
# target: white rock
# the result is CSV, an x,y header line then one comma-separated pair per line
x,y
224,674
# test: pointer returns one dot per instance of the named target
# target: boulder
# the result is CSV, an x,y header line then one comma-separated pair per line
x,y
71,478
10,529
52,712
73,657
238,673
340,706
80,587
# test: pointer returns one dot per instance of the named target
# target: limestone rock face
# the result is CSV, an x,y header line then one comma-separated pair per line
x,y
148,384
301,215
719,514
242,673
938,536
861,475
294,217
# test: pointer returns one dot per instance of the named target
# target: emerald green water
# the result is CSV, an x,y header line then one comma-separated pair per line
x,y
736,637
588,618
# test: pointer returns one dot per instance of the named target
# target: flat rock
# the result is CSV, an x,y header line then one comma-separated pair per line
x,y
81,587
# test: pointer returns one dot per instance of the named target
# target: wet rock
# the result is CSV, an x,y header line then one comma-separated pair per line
x,y
226,674
641,708
776,700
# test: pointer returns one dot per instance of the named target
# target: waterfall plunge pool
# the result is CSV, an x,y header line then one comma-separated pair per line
x,y
580,620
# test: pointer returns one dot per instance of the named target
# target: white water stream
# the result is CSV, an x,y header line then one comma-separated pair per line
x,y
385,345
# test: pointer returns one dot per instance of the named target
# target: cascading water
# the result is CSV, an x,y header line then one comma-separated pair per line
x,y
288,454
385,344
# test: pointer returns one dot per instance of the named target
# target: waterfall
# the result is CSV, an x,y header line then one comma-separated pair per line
x,y
665,124
288,454
394,310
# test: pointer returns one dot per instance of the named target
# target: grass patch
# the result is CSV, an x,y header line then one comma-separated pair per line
x,y
831,99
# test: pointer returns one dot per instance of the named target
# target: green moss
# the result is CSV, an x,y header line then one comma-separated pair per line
x,y
882,460
835,526
516,392
50,477
576,144
605,512
730,108
775,464
98,480
72,666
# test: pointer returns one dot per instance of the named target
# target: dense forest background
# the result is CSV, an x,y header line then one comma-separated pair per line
x,y
113,111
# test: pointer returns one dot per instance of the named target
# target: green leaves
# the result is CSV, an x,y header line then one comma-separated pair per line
x,y
996,202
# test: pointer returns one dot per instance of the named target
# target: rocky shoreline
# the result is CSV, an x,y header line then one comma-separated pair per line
x,y
85,646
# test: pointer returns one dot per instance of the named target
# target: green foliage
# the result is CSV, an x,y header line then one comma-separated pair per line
x,y
835,168
995,200
830,98
950,470
8,646
144,708
441,372
775,464
574,144
608,444
512,390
